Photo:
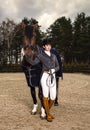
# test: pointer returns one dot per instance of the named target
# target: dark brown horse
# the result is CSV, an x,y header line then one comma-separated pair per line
x,y
32,73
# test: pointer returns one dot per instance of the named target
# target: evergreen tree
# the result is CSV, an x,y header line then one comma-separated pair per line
x,y
81,38
61,34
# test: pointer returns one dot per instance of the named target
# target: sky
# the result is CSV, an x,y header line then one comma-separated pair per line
x,y
45,11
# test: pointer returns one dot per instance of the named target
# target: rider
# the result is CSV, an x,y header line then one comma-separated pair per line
x,y
59,73
48,81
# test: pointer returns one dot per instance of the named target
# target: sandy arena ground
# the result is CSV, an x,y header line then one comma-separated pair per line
x,y
73,112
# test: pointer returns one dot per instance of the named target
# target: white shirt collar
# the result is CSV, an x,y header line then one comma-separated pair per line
x,y
48,53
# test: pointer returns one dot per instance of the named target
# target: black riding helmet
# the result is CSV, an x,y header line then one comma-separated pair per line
x,y
46,41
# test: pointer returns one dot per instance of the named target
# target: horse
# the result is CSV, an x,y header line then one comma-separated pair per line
x,y
32,73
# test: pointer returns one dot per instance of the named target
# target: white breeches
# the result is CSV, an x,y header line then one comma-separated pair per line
x,y
47,88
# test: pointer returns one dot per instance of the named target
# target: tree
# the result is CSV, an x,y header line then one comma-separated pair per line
x,y
81,38
61,34
6,36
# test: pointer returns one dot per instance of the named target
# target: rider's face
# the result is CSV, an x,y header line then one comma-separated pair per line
x,y
47,47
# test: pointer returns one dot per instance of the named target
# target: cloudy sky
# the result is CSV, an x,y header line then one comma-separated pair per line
x,y
45,11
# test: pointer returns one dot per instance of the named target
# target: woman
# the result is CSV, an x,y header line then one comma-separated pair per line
x,y
48,80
